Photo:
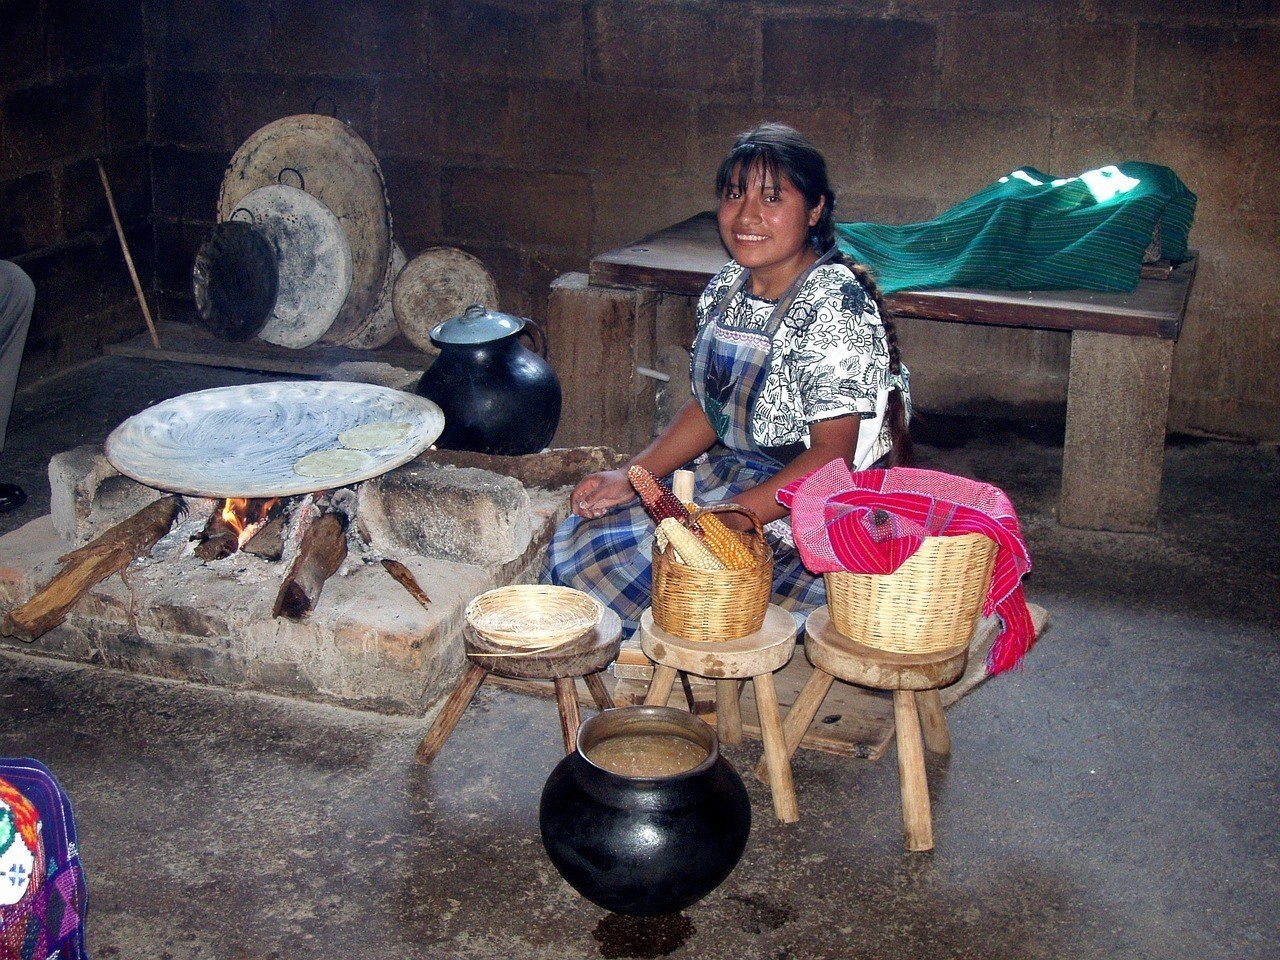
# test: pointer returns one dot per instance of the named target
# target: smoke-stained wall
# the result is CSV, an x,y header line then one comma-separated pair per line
x,y
535,133
73,88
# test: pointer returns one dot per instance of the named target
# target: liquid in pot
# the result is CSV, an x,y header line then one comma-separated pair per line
x,y
647,755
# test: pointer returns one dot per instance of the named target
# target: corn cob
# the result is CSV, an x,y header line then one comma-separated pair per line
x,y
660,502
726,544
693,552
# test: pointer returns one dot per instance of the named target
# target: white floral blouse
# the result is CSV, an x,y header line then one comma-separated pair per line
x,y
830,357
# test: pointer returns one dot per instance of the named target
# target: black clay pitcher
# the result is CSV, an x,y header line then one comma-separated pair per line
x,y
497,395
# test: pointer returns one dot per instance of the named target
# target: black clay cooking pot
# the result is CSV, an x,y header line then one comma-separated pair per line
x,y
644,846
497,395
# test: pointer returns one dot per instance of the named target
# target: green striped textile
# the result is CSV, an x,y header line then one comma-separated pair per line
x,y
1031,231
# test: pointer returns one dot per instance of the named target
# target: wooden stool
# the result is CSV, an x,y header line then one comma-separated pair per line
x,y
583,657
754,657
914,680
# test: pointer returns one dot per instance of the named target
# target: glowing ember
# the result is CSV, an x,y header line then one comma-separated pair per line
x,y
246,517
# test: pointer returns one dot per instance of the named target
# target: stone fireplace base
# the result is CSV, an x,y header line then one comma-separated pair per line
x,y
368,644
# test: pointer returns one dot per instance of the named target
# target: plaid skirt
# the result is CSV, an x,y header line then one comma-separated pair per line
x,y
610,557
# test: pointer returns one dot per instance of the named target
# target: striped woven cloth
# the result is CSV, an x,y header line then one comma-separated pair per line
x,y
1031,231
873,521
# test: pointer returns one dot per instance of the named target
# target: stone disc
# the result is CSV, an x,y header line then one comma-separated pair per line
x,y
313,260
381,327
439,284
338,169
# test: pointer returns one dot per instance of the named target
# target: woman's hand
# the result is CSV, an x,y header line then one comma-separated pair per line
x,y
598,493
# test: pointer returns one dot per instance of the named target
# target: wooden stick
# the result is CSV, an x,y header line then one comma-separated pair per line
x,y
664,678
570,717
917,818
88,566
728,712
323,548
404,576
451,713
218,539
933,721
801,714
128,258
599,691
776,759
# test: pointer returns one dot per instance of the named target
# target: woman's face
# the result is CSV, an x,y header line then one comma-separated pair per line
x,y
766,227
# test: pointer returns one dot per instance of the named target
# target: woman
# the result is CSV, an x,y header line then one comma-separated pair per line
x,y
794,364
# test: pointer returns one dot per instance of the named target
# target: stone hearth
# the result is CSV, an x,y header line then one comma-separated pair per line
x,y
462,524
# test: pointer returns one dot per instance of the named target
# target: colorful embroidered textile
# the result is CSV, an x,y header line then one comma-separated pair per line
x,y
873,520
1031,231
42,891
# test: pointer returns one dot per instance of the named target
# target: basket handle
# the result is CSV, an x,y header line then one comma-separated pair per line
x,y
729,508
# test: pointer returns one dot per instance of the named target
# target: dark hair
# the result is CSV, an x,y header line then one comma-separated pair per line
x,y
775,148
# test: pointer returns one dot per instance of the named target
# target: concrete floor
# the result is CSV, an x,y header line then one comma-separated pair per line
x,y
1117,797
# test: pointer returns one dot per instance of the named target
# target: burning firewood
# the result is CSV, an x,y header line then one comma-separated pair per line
x,y
88,566
234,525
323,548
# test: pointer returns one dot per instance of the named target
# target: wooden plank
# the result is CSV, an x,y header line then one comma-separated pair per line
x,y
683,257
184,343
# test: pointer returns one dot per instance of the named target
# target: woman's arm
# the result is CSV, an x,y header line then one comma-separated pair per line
x,y
828,439
688,435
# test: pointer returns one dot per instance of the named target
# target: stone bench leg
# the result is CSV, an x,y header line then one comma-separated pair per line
x,y
1117,413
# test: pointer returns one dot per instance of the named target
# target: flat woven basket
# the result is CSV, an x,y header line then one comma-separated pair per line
x,y
928,605
532,618
714,605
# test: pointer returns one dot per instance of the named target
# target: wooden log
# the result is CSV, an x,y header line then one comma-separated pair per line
x,y
268,543
323,548
218,539
404,576
88,566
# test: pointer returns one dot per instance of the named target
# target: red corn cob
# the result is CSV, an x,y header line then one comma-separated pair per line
x,y
660,502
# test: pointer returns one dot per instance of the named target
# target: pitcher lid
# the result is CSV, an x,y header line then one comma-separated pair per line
x,y
476,324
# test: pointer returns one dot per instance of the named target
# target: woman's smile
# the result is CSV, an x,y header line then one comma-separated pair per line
x,y
765,224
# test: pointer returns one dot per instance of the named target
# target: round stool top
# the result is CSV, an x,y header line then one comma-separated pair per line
x,y
845,658
766,650
589,653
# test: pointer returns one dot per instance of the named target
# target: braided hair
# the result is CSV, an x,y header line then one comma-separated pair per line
x,y
776,148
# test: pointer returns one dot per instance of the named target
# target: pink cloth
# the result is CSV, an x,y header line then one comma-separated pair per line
x,y
873,520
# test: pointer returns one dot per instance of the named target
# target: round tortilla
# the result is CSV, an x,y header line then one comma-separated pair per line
x,y
374,436
331,463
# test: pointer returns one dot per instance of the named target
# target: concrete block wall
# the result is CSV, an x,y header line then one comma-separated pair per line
x,y
72,88
534,133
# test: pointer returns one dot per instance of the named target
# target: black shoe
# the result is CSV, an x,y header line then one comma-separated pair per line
x,y
12,497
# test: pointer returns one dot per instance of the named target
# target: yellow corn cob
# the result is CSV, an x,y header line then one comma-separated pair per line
x,y
726,544
693,552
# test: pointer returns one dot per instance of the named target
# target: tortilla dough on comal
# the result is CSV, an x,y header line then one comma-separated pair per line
x,y
331,463
373,436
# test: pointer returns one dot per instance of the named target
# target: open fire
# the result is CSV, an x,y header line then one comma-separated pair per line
x,y
247,517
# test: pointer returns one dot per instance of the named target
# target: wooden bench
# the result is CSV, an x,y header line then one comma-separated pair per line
x,y
1118,383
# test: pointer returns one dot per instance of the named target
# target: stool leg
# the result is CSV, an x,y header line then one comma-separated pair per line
x,y
664,678
933,721
728,712
801,714
570,718
599,691
917,820
775,750
451,713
